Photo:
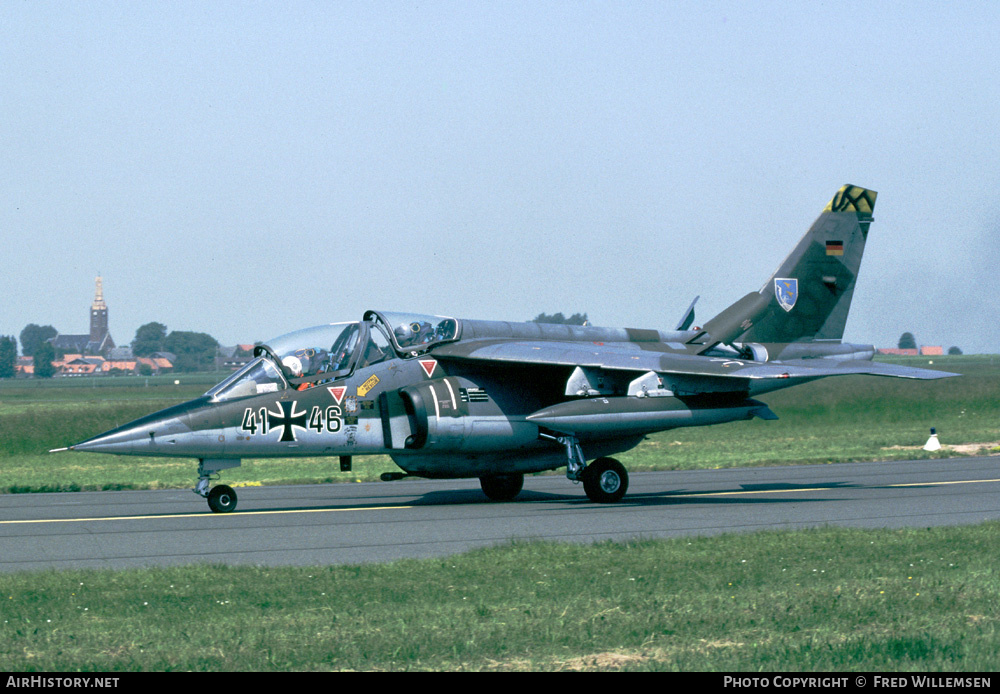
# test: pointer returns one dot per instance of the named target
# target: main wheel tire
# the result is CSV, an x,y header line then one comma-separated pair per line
x,y
502,487
605,480
222,499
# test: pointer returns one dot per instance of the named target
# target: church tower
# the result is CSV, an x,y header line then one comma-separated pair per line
x,y
98,315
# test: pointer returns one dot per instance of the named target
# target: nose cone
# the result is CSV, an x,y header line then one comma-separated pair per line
x,y
120,440
154,434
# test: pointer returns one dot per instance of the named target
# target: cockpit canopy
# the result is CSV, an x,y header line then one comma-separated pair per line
x,y
325,349
325,353
413,333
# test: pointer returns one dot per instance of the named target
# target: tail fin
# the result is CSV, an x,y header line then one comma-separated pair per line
x,y
809,295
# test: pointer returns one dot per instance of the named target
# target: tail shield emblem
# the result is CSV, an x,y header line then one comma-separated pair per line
x,y
786,291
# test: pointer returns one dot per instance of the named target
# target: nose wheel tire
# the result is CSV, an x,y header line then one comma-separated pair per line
x,y
605,480
222,499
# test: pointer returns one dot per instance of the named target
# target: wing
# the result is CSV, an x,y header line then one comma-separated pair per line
x,y
712,373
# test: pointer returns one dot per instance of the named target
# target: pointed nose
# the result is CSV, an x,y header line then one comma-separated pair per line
x,y
120,440
149,435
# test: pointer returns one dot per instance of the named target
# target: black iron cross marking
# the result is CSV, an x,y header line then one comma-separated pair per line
x,y
287,418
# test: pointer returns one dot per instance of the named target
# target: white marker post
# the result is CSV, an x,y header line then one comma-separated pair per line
x,y
932,443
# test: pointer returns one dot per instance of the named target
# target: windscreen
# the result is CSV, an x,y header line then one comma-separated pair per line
x,y
259,376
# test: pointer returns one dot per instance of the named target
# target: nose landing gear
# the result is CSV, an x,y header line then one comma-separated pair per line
x,y
221,498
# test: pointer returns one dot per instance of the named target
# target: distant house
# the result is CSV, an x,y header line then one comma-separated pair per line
x,y
76,344
232,363
77,365
234,357
157,364
924,351
120,353
123,366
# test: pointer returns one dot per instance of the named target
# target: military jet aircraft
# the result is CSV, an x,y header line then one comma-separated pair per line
x,y
450,398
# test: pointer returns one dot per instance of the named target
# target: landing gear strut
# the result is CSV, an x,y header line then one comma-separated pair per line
x,y
605,480
575,462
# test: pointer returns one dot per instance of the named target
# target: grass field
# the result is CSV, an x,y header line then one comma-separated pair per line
x,y
817,600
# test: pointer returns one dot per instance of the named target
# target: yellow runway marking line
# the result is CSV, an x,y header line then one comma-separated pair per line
x,y
832,488
390,508
203,515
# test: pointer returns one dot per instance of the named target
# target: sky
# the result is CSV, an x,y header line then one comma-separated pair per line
x,y
251,168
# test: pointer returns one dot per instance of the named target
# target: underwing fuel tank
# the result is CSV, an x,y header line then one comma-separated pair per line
x,y
631,415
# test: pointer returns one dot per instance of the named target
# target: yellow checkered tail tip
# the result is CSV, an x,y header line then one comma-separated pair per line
x,y
853,199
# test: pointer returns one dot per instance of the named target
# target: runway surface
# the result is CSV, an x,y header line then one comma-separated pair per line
x,y
378,522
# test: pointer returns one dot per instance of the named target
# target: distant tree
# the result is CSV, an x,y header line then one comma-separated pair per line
x,y
44,356
148,339
145,369
907,341
954,350
195,351
560,319
34,335
8,356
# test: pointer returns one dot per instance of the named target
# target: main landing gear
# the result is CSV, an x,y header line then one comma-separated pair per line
x,y
605,480
221,498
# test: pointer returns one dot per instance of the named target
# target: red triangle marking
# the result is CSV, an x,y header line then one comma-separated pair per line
x,y
337,392
429,366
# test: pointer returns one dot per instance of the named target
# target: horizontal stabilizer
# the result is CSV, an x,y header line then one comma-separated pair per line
x,y
734,321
